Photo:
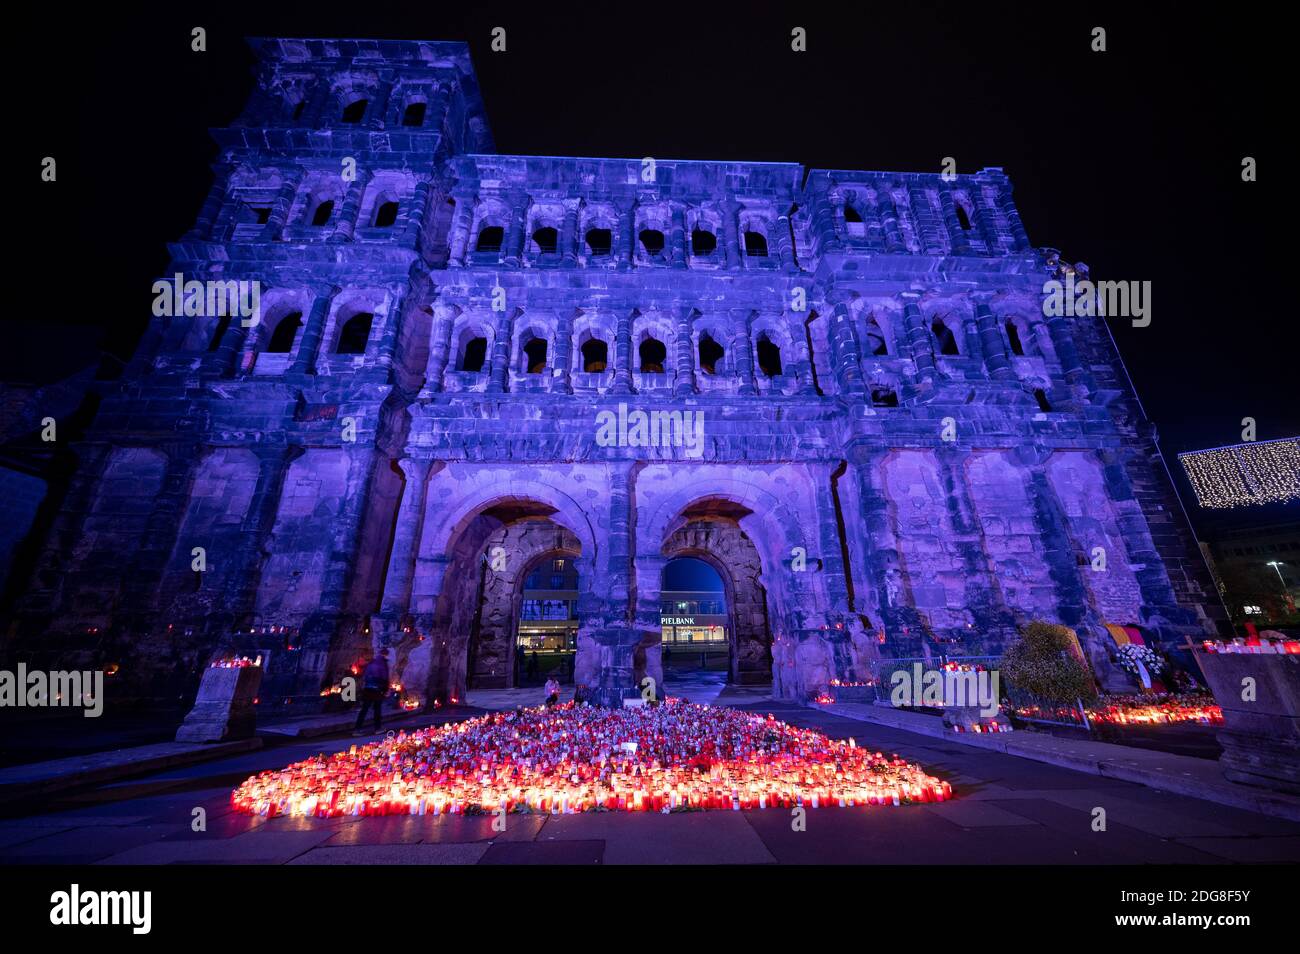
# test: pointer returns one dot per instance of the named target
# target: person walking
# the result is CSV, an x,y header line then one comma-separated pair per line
x,y
374,687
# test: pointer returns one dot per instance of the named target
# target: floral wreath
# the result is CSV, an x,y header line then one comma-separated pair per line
x,y
1131,654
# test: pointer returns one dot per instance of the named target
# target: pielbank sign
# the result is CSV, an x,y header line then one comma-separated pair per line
x,y
676,620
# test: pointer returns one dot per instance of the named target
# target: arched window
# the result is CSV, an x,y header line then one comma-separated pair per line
x,y
595,356
547,239
652,240
883,396
355,334
755,244
321,215
413,115
703,242
535,356
944,337
769,356
600,241
475,353
963,217
286,330
876,338
386,215
710,353
851,214
490,238
355,111
1041,397
1013,338
653,353
219,333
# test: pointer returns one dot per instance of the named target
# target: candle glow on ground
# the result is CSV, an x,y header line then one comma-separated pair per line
x,y
677,756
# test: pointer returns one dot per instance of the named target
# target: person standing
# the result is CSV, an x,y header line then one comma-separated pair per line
x,y
552,691
374,687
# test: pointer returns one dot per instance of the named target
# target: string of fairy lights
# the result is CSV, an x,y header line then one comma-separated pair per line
x,y
1245,475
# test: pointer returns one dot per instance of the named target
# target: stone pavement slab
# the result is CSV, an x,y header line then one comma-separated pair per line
x,y
682,838
420,854
544,853
274,847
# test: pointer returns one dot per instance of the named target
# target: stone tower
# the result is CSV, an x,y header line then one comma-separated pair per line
x,y
837,387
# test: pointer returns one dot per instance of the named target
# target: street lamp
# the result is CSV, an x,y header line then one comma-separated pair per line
x,y
1277,566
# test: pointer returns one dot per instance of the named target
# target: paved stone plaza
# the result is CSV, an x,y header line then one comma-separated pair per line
x,y
1007,810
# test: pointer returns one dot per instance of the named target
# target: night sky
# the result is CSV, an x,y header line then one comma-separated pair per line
x,y
1128,160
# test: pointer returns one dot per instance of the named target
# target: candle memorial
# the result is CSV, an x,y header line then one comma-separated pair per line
x,y
673,757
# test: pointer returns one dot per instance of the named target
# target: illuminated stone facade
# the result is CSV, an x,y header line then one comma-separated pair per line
x,y
896,452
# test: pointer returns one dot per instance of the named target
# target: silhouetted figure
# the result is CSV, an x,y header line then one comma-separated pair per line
x,y
532,665
374,686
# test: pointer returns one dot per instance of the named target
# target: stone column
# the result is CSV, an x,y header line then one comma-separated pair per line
x,y
396,601
684,380
617,640
569,232
1020,239
212,205
1072,598
926,227
560,376
1076,375
919,339
626,233
304,360
804,368
144,567
386,349
743,345
996,361
221,362
282,206
444,320
1152,579
844,350
729,208
889,219
784,242
513,246
986,220
462,220
500,371
273,462
823,224
320,628
377,108
346,226
887,605
956,234
418,210
677,237
623,353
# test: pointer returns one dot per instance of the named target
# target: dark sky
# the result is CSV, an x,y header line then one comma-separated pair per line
x,y
1128,160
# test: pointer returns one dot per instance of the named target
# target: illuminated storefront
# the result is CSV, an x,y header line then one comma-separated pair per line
x,y
692,622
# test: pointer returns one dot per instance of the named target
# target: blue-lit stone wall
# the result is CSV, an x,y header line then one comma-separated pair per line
x,y
869,426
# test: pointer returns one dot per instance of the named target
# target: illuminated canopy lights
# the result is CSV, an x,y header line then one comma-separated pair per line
x,y
1245,475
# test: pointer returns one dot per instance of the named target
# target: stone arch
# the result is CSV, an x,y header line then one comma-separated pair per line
x,y
493,634
722,544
